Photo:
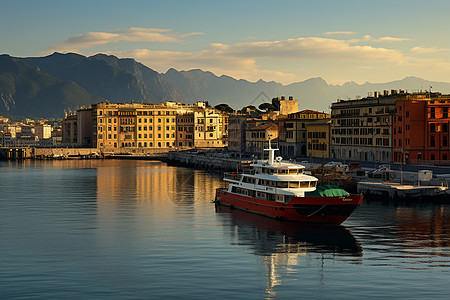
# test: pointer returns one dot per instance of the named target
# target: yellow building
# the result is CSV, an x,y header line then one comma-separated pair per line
x,y
111,125
318,138
294,139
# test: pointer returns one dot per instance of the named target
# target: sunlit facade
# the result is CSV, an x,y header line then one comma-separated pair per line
x,y
135,125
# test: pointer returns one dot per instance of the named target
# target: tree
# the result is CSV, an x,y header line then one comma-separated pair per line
x,y
224,107
266,107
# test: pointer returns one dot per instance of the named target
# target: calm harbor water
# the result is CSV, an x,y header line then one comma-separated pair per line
x,y
143,230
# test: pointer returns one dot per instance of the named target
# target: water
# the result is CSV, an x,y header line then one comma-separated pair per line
x,y
144,230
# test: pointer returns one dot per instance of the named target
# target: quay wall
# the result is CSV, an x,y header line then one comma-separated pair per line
x,y
206,162
7,153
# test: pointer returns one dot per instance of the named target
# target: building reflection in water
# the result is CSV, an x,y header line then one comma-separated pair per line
x,y
153,186
424,231
282,245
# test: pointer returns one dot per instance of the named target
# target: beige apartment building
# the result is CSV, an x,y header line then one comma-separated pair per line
x,y
361,129
108,125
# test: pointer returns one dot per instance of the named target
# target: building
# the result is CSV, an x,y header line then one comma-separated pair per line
x,y
285,106
108,125
257,137
185,130
43,131
421,129
237,133
361,129
293,142
318,138
209,128
6,140
69,130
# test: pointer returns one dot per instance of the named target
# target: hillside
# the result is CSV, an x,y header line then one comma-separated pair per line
x,y
118,80
27,91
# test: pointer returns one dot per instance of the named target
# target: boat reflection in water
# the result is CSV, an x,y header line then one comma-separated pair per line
x,y
284,244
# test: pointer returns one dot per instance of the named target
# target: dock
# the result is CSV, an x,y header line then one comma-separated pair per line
x,y
399,192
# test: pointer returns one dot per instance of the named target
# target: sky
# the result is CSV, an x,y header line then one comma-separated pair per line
x,y
283,41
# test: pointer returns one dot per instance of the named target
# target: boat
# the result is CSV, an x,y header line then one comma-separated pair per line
x,y
280,190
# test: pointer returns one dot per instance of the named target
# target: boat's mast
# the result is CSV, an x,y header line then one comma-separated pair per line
x,y
271,153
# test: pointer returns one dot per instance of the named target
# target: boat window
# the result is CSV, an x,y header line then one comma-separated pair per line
x,y
292,171
313,183
293,184
280,198
267,171
282,184
304,184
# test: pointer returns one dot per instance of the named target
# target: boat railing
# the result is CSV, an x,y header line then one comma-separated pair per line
x,y
232,176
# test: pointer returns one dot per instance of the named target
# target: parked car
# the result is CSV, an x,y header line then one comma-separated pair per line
x,y
380,170
337,165
332,164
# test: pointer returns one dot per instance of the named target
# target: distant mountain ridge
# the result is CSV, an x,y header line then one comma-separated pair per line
x,y
27,91
56,82
106,76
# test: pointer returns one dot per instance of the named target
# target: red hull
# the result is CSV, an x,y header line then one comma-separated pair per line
x,y
331,210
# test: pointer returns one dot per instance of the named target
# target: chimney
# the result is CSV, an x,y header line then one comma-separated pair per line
x,y
393,92
282,98
385,93
291,97
376,94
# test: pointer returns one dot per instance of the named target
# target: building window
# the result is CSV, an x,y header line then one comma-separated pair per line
x,y
432,141
432,127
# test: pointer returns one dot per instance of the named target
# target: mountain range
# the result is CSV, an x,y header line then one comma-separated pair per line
x,y
47,86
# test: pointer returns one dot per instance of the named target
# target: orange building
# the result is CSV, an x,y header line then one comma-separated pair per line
x,y
421,129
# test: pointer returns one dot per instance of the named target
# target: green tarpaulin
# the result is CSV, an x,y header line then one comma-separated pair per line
x,y
327,191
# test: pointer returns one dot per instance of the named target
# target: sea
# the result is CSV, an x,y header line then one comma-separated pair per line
x,y
134,229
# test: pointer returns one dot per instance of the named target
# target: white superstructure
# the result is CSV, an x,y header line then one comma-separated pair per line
x,y
272,179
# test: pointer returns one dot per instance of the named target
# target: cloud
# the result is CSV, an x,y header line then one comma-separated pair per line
x,y
368,38
424,50
339,33
245,60
134,34
308,48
